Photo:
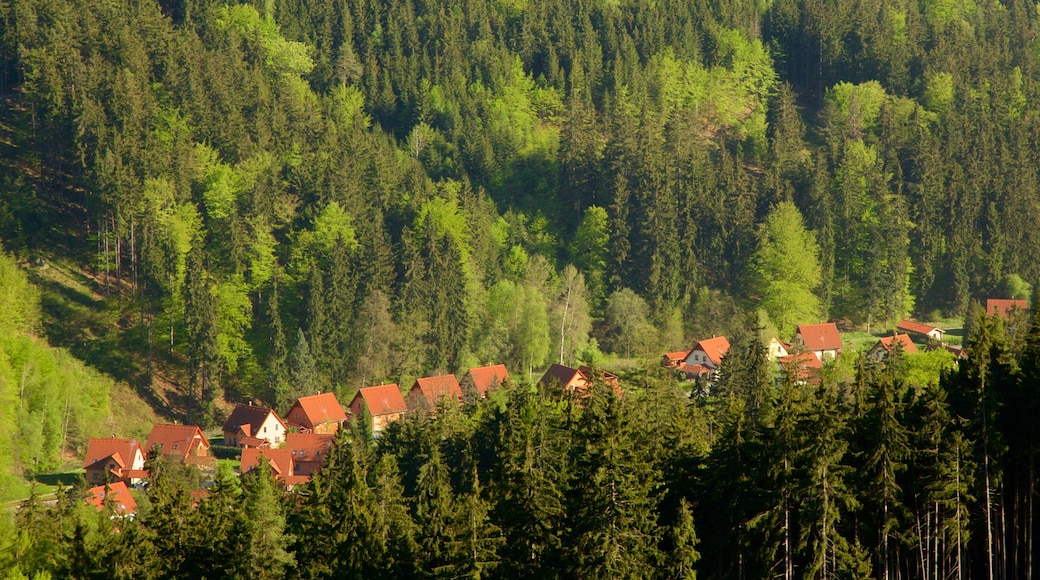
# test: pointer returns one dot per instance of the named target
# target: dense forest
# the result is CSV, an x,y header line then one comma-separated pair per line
x,y
281,197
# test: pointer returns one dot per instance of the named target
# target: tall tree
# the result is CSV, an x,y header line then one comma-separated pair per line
x,y
785,268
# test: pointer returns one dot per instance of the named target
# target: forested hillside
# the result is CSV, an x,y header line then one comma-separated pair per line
x,y
281,197
301,194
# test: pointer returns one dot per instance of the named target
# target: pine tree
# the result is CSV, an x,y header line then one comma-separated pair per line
x,y
264,520
279,389
200,308
683,537
303,370
612,499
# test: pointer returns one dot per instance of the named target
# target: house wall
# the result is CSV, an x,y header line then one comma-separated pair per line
x,y
699,357
271,430
379,422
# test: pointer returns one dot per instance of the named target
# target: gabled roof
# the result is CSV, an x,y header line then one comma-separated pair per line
x,y
561,374
317,410
435,388
715,348
174,439
252,416
122,450
1003,308
904,339
697,370
382,400
817,337
308,446
280,460
123,503
487,378
675,358
917,327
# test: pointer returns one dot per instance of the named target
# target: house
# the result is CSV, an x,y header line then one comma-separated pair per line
x,y
929,332
486,379
428,391
384,403
283,466
576,380
883,347
253,426
801,367
184,444
708,352
118,496
823,340
1003,308
319,413
675,359
111,460
308,451
777,349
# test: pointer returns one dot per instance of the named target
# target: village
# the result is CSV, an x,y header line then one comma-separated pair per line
x,y
294,444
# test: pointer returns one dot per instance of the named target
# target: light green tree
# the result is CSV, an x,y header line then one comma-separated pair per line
x,y
785,269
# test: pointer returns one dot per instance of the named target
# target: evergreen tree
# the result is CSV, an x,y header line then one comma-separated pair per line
x,y
201,314
612,497
267,542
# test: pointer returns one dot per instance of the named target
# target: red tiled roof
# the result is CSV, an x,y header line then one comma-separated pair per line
x,y
280,460
715,348
120,449
799,361
123,503
817,337
316,410
308,446
382,400
904,339
674,359
697,369
487,378
435,388
917,327
175,439
252,416
1003,308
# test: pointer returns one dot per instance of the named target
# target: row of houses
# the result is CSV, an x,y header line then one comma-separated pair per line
x,y
802,358
294,446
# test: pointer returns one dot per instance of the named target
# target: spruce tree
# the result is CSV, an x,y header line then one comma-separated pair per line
x,y
612,496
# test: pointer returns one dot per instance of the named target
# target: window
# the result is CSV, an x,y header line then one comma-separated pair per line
x,y
174,446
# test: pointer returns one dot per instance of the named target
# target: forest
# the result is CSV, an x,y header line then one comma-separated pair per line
x,y
275,198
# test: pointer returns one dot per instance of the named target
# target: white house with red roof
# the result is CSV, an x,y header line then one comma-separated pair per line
x,y
253,426
708,353
384,404
925,330
114,460
319,413
823,340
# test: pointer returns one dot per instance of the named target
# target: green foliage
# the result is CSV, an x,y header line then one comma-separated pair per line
x,y
785,269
